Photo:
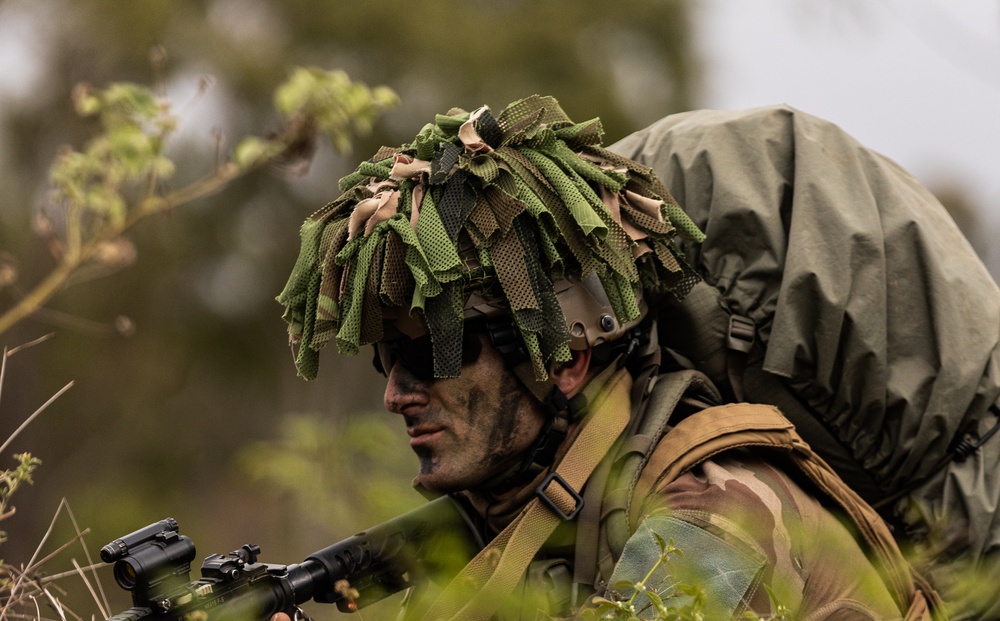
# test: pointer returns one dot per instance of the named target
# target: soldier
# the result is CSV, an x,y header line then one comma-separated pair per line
x,y
507,271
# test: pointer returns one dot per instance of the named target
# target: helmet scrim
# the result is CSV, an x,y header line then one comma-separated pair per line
x,y
500,210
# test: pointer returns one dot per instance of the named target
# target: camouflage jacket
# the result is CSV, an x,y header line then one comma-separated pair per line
x,y
747,532
751,538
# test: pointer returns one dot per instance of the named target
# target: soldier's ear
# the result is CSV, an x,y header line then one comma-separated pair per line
x,y
571,376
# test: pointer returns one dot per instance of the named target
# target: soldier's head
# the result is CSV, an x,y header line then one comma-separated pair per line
x,y
494,263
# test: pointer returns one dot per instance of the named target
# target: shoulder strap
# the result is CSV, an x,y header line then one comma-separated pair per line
x,y
713,430
702,435
603,527
482,585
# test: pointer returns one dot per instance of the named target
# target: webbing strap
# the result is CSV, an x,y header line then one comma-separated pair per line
x,y
665,399
703,434
897,574
739,341
480,588
713,430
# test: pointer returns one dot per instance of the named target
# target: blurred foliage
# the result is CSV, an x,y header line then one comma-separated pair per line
x,y
12,479
336,477
103,191
317,464
181,361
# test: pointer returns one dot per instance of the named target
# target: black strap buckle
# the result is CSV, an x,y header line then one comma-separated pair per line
x,y
577,498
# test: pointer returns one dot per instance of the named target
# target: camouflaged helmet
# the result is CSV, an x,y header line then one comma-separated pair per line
x,y
522,215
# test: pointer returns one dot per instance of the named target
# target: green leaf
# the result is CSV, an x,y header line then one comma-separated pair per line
x,y
332,103
622,585
127,102
660,542
251,151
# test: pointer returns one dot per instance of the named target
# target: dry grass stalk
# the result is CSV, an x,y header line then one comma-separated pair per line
x,y
22,587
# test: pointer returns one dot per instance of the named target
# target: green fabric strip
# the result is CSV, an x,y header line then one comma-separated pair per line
x,y
444,159
443,314
533,211
442,257
578,206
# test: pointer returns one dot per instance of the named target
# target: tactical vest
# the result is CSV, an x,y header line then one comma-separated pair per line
x,y
651,451
660,449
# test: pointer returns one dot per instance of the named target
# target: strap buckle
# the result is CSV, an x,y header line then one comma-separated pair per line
x,y
742,331
577,498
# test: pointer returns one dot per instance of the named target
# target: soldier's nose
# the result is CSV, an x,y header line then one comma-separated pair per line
x,y
403,391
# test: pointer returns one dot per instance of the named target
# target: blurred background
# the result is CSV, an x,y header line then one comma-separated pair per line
x,y
185,400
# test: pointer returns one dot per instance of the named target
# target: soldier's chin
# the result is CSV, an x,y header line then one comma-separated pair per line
x,y
433,479
439,485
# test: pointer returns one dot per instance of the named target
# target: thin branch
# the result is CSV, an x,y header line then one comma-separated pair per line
x,y
90,560
61,319
41,294
63,609
55,553
3,368
67,573
40,339
34,416
8,353
202,188
90,588
17,584
80,254
45,537
55,604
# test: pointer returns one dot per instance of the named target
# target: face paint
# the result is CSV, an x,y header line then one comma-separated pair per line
x,y
468,429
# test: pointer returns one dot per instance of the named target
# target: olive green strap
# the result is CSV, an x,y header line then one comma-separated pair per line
x,y
480,588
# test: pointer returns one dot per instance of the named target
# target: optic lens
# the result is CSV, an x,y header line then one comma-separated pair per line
x,y
125,574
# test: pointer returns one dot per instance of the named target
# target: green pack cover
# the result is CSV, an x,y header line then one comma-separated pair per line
x,y
877,326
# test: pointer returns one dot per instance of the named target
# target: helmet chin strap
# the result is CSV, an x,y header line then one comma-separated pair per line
x,y
560,410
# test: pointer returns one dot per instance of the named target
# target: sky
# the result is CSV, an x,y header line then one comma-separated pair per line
x,y
916,80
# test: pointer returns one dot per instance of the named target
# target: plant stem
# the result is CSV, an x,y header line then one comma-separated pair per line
x,y
41,294
206,186
56,279
28,420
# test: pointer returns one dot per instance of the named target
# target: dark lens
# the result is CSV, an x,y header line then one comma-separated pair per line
x,y
125,574
417,355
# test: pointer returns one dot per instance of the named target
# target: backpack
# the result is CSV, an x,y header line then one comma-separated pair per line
x,y
838,289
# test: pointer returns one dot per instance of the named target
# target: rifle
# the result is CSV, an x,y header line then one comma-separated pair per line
x,y
153,563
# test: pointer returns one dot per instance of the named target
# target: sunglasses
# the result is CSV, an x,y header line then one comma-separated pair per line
x,y
417,355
